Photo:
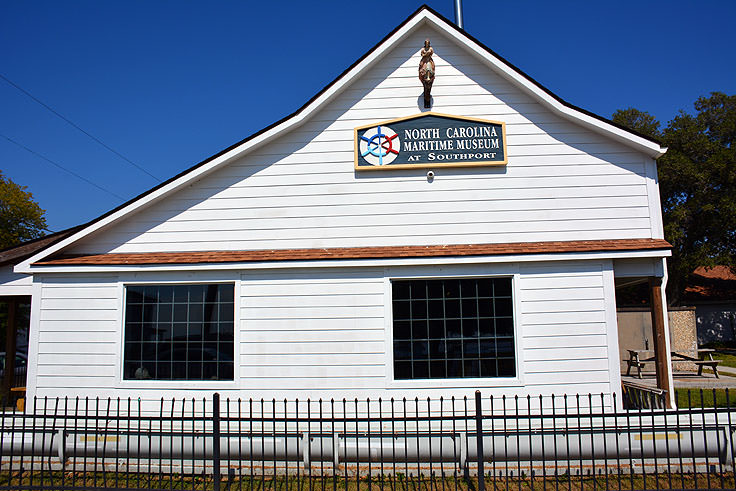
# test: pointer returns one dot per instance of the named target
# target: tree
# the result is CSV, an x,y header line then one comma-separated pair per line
x,y
21,218
697,182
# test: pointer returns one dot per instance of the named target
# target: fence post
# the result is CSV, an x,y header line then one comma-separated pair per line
x,y
479,441
216,441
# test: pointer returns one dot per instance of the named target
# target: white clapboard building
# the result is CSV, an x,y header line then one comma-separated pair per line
x,y
368,246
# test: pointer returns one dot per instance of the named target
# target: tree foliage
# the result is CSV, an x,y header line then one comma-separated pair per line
x,y
21,218
697,182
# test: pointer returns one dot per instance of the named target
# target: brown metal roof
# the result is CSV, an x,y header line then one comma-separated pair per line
x,y
202,257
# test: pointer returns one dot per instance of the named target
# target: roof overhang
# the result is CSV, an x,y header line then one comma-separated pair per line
x,y
360,256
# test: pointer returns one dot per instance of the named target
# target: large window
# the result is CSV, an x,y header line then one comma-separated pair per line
x,y
453,328
179,332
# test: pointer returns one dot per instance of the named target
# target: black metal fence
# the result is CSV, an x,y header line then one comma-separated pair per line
x,y
568,442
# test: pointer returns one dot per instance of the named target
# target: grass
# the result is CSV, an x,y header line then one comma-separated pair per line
x,y
727,360
705,398
99,480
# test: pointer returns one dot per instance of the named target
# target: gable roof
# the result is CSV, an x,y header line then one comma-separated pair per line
x,y
423,15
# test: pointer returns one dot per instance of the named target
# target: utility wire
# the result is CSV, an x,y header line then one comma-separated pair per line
x,y
77,127
62,167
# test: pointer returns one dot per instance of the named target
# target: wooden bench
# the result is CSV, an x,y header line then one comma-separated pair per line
x,y
704,359
635,361
713,364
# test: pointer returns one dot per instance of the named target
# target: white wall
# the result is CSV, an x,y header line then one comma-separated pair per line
x,y
327,333
14,283
562,182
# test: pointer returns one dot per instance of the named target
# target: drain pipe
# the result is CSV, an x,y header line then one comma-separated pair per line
x,y
459,13
461,447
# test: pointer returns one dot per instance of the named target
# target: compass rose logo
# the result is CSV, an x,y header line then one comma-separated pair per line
x,y
379,145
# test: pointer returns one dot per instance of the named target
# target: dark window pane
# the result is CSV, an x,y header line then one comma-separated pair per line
x,y
227,353
506,367
485,307
503,307
505,327
453,328
196,312
437,349
225,370
402,330
420,350
194,370
467,288
487,348
418,289
134,313
471,368
435,289
469,308
419,330
133,331
486,327
485,288
452,289
165,312
224,293
150,294
134,294
165,294
402,370
181,312
209,370
454,368
454,349
419,309
181,294
488,368
436,329
227,312
210,332
505,347
196,294
502,287
452,308
436,310
401,310
421,369
470,327
400,290
149,313
437,369
402,350
470,348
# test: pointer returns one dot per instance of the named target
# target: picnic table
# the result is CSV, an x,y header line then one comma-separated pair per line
x,y
638,358
704,359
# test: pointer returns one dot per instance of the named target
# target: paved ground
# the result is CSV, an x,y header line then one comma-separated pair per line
x,y
691,380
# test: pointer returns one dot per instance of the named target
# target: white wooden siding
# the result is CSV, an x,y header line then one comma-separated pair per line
x,y
563,182
78,340
323,333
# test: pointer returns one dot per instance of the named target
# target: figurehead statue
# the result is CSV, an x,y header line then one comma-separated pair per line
x,y
426,71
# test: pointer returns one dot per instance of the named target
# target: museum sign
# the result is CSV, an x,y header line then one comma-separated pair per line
x,y
430,140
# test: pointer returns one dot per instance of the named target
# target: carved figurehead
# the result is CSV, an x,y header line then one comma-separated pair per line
x,y
426,71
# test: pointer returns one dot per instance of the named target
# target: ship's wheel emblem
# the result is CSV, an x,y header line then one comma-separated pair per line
x,y
379,145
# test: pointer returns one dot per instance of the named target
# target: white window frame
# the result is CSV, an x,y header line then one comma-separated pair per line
x,y
452,272
177,279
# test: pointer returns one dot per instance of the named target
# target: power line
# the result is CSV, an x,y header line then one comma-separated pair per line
x,y
77,127
62,167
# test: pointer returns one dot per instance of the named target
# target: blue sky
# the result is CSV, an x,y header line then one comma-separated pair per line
x,y
167,84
